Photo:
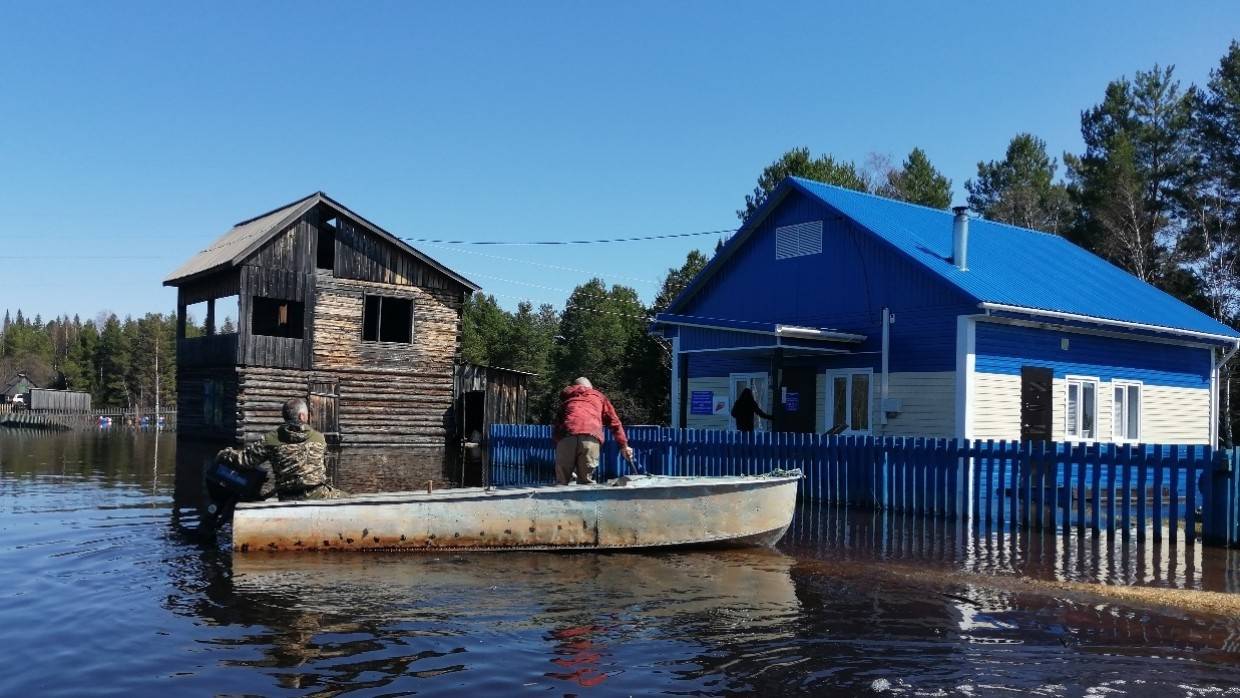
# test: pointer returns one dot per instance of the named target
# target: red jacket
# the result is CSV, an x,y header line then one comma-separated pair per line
x,y
584,411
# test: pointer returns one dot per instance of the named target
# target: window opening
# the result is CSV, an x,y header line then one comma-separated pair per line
x,y
326,254
849,400
1080,413
387,319
1126,411
227,314
273,317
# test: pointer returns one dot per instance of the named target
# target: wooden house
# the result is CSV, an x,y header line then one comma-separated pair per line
x,y
332,308
15,388
849,312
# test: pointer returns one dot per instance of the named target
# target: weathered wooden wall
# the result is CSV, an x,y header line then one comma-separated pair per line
x,y
190,418
275,352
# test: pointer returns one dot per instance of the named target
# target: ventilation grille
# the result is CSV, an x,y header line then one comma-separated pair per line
x,y
798,240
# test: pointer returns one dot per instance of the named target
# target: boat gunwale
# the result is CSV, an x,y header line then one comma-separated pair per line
x,y
466,494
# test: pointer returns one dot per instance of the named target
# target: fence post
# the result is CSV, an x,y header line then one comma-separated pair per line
x,y
1218,507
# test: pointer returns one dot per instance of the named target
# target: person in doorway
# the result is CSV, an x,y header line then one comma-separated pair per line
x,y
296,454
745,409
578,432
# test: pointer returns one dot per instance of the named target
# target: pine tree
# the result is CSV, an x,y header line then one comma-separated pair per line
x,y
1137,160
1021,189
798,162
918,182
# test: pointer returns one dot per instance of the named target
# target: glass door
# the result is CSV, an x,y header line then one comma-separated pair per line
x,y
759,383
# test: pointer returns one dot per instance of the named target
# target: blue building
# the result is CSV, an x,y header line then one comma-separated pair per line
x,y
852,312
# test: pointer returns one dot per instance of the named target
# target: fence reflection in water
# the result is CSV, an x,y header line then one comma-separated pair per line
x,y
846,533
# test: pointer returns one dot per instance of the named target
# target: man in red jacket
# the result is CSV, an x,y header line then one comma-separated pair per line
x,y
578,432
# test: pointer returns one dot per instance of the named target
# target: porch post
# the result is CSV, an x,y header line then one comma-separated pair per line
x,y
683,412
777,405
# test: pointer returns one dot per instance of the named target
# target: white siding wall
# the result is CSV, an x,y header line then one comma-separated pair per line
x,y
929,407
995,406
928,410
1168,415
718,385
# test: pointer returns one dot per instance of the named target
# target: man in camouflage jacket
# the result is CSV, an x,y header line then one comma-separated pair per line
x,y
295,452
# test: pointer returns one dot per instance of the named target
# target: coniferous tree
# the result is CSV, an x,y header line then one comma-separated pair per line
x,y
1138,158
799,162
917,182
1021,189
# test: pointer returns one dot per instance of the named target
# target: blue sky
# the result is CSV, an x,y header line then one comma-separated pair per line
x,y
132,134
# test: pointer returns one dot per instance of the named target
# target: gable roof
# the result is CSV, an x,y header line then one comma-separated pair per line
x,y
246,237
10,386
1008,265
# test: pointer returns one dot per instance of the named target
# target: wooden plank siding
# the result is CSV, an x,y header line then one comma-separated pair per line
x,y
391,394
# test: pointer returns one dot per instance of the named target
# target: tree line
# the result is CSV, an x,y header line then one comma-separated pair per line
x,y
111,358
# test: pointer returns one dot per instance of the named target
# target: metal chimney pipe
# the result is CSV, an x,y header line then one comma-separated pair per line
x,y
960,238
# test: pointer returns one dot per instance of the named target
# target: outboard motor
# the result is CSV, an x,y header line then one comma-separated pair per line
x,y
226,485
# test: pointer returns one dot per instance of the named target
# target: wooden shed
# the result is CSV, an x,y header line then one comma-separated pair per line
x,y
486,395
329,307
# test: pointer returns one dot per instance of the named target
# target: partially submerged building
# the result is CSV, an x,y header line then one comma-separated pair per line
x,y
853,313
17,384
329,307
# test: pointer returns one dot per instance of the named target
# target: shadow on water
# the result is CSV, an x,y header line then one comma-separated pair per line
x,y
106,587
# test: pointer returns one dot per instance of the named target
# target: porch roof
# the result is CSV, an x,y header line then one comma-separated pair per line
x,y
780,331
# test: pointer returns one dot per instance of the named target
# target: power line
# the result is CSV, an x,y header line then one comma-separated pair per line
x,y
557,267
602,241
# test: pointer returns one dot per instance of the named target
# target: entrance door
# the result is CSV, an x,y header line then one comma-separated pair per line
x,y
798,394
325,408
759,383
1036,403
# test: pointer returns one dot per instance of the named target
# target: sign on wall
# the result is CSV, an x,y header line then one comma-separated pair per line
x,y
792,401
702,402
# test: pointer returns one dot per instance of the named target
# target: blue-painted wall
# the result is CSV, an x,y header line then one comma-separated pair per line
x,y
1005,348
844,288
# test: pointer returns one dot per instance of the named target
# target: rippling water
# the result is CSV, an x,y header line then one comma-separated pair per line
x,y
105,588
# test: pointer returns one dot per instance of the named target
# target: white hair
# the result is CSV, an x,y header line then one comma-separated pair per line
x,y
583,381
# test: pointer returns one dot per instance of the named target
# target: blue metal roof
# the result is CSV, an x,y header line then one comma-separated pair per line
x,y
1007,264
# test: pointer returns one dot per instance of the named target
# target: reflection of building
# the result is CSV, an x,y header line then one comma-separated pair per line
x,y
842,310
329,307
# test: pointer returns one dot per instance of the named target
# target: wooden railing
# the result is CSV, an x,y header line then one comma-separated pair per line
x,y
1162,491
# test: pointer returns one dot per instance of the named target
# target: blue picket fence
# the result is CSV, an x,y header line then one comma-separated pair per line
x,y
1159,491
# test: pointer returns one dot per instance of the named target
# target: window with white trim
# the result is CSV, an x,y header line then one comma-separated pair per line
x,y
1126,410
1081,408
848,400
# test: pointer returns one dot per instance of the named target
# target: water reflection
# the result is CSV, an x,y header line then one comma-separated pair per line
x,y
893,536
575,609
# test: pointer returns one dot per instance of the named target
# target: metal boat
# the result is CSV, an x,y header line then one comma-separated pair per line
x,y
627,513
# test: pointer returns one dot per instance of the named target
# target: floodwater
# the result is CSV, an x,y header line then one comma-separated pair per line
x,y
106,589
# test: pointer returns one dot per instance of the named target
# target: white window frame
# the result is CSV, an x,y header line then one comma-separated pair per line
x,y
1126,384
1080,381
829,398
759,424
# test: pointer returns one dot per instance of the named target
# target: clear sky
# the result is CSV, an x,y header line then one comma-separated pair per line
x,y
132,134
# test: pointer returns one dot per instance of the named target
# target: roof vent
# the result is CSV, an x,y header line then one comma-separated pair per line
x,y
798,240
960,238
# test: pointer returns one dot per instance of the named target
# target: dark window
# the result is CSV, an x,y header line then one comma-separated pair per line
x,y
327,248
273,317
386,319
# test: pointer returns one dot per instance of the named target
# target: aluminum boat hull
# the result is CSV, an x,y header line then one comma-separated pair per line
x,y
647,512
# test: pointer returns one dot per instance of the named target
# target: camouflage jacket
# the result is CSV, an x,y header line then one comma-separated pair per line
x,y
296,455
